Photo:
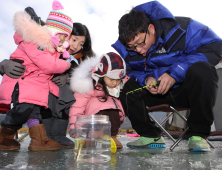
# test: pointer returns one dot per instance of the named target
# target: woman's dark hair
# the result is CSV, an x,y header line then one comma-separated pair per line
x,y
131,24
81,30
101,88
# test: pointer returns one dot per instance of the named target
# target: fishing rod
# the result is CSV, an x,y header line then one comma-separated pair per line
x,y
141,88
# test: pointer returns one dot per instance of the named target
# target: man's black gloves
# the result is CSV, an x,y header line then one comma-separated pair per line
x,y
60,79
12,68
34,16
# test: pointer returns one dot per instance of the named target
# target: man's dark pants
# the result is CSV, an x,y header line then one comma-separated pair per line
x,y
197,92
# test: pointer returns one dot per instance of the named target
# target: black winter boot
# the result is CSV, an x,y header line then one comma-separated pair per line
x,y
59,133
48,123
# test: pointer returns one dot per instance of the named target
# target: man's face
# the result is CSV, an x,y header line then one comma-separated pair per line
x,y
143,41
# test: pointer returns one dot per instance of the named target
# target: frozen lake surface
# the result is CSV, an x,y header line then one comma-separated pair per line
x,y
124,159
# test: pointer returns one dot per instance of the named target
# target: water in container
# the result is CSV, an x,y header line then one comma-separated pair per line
x,y
92,139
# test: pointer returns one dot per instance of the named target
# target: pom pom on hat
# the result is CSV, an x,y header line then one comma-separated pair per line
x,y
66,54
56,5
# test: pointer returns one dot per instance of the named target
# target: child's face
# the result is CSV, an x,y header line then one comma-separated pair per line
x,y
76,43
111,83
62,38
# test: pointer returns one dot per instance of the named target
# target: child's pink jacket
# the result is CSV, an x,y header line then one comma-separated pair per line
x,y
36,48
87,102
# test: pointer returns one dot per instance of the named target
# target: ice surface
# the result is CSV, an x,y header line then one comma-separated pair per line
x,y
125,159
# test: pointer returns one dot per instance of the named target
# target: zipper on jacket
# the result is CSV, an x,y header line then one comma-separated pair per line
x,y
158,46
115,104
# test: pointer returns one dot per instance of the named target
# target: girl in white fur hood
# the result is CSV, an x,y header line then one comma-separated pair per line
x,y
97,83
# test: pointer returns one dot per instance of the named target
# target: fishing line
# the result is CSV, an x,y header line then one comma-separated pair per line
x,y
137,90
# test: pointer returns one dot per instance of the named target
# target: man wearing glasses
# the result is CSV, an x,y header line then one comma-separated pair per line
x,y
181,53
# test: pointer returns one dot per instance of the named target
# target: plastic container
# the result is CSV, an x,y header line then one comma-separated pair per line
x,y
92,139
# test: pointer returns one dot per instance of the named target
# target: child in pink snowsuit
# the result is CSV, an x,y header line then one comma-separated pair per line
x,y
39,47
97,83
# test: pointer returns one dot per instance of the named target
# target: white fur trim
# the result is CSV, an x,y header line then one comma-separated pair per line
x,y
32,32
81,80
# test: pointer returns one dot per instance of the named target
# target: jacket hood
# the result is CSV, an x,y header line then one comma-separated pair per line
x,y
29,31
17,39
155,10
81,80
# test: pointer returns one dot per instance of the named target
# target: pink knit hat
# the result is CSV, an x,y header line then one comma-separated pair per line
x,y
59,22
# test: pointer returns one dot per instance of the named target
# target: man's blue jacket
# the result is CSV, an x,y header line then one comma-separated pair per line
x,y
180,42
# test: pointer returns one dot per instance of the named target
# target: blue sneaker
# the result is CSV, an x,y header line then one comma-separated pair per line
x,y
145,142
198,144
